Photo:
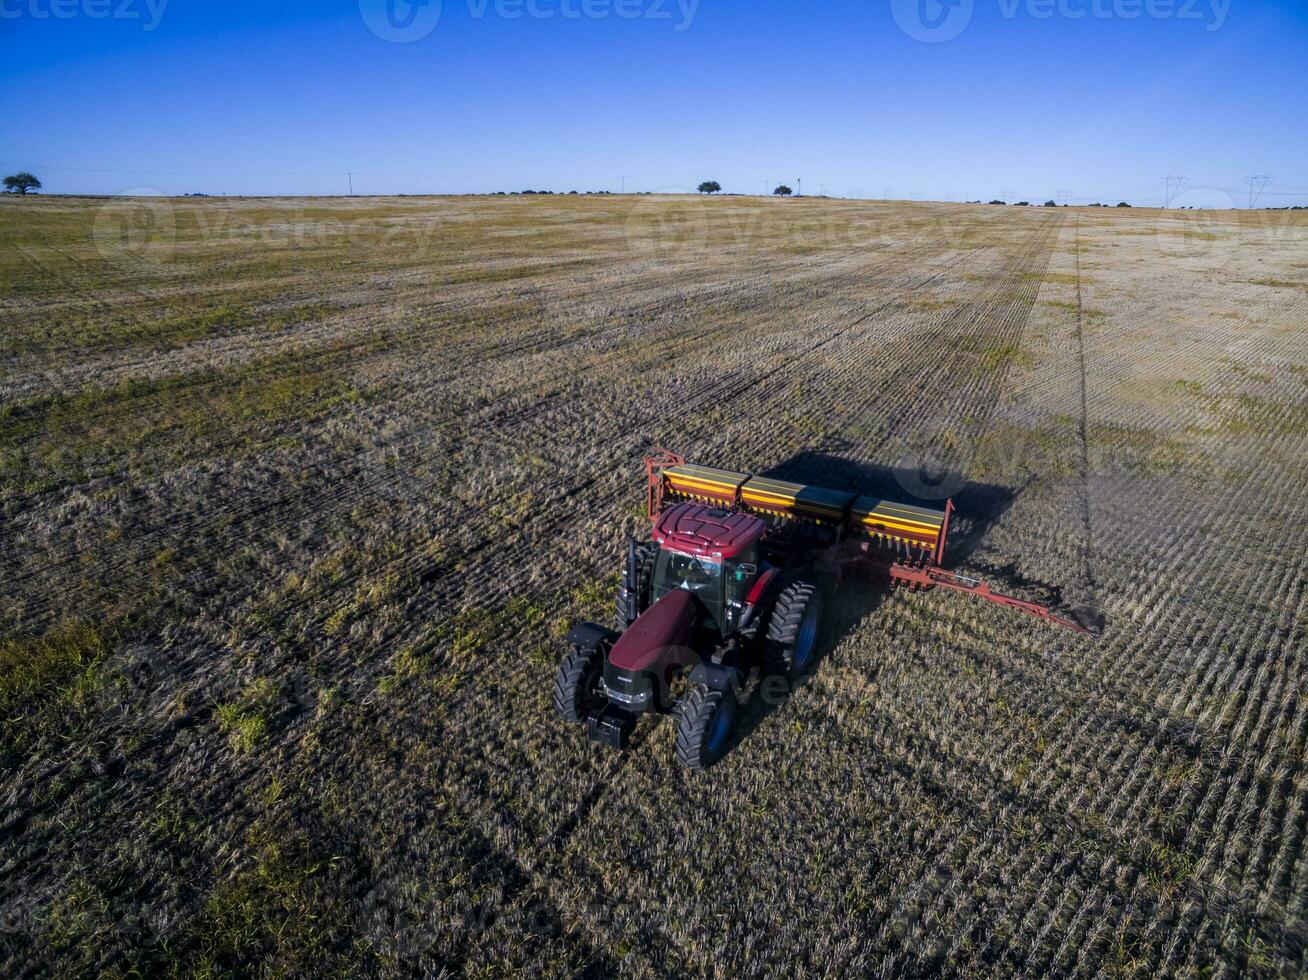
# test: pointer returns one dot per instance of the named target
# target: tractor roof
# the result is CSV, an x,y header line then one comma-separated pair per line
x,y
707,532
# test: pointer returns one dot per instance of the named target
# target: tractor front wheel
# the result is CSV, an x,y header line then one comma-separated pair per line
x,y
576,685
791,642
707,718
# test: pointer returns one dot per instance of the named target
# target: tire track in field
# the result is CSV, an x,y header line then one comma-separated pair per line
x,y
1083,434
1176,582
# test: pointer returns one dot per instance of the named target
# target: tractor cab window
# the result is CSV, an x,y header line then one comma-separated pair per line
x,y
740,574
697,575
700,576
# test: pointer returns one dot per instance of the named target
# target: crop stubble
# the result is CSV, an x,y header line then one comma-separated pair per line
x,y
314,727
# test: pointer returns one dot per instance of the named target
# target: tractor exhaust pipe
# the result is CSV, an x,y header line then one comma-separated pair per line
x,y
628,612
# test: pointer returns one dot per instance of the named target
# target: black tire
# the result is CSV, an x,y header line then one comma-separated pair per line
x,y
704,728
641,588
790,647
576,685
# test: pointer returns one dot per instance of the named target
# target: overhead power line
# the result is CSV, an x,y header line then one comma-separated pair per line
x,y
1257,184
1171,186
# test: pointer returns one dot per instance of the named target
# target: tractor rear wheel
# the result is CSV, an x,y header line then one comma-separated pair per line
x,y
576,685
634,597
704,729
791,642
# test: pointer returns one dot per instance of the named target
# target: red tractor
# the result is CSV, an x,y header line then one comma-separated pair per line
x,y
732,581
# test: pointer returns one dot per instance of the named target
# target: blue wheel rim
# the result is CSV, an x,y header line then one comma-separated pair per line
x,y
719,728
807,639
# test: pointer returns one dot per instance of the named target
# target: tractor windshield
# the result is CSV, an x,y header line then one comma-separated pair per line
x,y
698,575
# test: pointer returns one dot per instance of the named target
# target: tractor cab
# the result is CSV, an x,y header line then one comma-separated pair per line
x,y
712,554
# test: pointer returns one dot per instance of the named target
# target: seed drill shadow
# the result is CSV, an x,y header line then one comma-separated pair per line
x,y
978,507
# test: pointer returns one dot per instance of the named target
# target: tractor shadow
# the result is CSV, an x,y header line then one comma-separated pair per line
x,y
978,507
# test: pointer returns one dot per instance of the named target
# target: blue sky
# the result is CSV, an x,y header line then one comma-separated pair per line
x,y
1095,98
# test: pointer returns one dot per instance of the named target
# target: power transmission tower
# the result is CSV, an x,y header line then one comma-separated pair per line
x,y
1063,196
1256,182
351,177
1170,191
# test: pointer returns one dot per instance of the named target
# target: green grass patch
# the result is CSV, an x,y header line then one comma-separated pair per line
x,y
1052,278
1279,283
1244,415
1067,306
1143,450
51,683
50,677
245,720
1003,356
137,426
408,664
60,664
278,914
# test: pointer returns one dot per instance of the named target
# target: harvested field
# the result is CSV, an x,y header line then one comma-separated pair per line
x,y
298,496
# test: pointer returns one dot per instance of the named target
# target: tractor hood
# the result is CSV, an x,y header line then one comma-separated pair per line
x,y
661,635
